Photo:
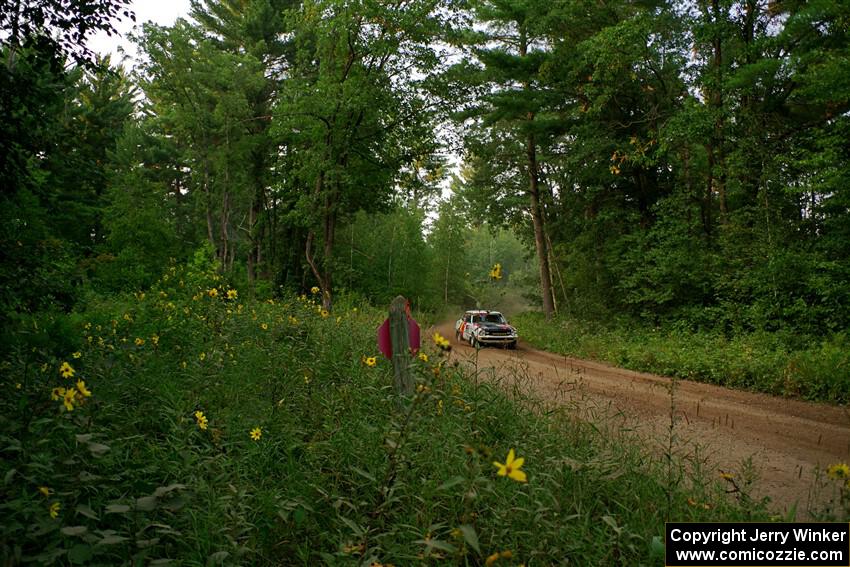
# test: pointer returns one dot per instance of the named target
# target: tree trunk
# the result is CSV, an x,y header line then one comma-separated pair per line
x,y
224,244
716,169
324,273
208,205
536,208
446,283
253,238
539,233
327,260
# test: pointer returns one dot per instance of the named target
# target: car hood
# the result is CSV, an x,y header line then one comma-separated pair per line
x,y
496,326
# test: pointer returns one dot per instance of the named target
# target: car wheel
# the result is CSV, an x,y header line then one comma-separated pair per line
x,y
512,345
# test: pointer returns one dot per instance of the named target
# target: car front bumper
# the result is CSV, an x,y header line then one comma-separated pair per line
x,y
497,339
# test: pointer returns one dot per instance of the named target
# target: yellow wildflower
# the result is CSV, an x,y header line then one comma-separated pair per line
x,y
57,393
212,292
202,356
77,354
232,294
256,433
201,419
423,357
45,490
66,370
441,341
314,290
54,510
496,272
324,313
264,326
155,340
69,398
353,548
838,470
370,361
139,341
511,468
81,386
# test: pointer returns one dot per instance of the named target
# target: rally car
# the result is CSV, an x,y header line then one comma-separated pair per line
x,y
482,327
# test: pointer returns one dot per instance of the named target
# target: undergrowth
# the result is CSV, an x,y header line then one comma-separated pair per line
x,y
188,425
759,361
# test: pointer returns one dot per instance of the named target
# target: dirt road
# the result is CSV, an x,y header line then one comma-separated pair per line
x,y
786,440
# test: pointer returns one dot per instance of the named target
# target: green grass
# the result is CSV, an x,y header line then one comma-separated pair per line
x,y
340,476
760,361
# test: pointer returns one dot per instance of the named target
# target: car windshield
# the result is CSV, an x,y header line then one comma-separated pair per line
x,y
489,318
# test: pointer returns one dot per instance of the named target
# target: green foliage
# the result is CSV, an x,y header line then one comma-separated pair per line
x,y
61,126
699,187
384,255
448,245
61,26
141,222
487,246
701,193
159,463
351,114
760,361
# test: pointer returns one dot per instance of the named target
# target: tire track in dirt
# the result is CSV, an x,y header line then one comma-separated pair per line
x,y
787,440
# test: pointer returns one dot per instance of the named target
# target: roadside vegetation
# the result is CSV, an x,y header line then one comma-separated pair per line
x,y
190,423
815,369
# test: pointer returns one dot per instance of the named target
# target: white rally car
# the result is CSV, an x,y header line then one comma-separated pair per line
x,y
482,327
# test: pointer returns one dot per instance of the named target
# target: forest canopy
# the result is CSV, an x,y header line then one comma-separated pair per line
x,y
665,162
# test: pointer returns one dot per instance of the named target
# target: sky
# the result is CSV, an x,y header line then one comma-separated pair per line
x,y
163,12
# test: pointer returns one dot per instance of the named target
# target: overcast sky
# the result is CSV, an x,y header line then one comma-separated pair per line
x,y
162,12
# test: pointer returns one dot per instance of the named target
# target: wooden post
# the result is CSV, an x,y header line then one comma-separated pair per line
x,y
400,338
